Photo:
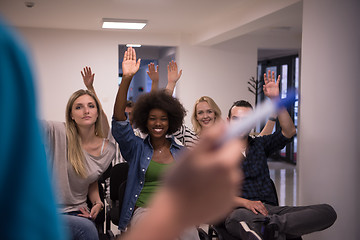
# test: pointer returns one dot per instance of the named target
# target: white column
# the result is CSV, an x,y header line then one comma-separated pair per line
x,y
329,136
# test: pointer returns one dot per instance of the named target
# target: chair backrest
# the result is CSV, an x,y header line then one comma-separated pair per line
x,y
118,175
118,179
100,219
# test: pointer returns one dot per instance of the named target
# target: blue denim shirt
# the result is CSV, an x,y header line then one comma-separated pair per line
x,y
138,153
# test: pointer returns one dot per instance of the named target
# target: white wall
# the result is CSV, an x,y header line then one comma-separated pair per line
x,y
329,113
60,55
221,75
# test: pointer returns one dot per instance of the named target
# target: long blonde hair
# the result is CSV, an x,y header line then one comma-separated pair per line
x,y
75,153
212,104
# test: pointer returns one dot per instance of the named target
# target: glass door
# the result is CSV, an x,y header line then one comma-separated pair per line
x,y
288,68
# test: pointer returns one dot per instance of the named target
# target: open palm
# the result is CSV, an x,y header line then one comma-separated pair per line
x,y
129,65
271,87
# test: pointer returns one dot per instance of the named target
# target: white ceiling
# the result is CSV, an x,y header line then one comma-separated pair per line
x,y
206,22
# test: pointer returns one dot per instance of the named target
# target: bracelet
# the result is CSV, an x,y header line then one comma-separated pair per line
x,y
101,203
272,119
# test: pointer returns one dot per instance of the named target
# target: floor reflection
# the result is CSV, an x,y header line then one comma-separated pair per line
x,y
284,176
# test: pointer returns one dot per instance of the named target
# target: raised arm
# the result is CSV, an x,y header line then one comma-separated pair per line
x,y
129,66
88,78
154,76
269,126
173,76
271,90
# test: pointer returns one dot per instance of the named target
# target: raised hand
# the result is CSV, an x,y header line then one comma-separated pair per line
x,y
271,87
129,65
173,73
153,73
173,76
88,77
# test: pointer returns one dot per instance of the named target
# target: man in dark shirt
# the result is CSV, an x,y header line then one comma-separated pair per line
x,y
257,215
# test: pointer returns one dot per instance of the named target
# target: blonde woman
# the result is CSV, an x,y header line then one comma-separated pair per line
x,y
80,152
206,112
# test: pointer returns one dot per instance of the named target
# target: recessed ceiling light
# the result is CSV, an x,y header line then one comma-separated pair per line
x,y
123,23
133,45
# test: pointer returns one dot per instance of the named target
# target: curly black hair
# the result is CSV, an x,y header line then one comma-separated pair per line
x,y
160,100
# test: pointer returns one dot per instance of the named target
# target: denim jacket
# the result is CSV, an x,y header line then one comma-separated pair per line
x,y
138,153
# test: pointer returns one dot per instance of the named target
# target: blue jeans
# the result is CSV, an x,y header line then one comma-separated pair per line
x,y
80,228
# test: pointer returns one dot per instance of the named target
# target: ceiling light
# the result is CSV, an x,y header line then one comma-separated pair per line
x,y
123,23
133,45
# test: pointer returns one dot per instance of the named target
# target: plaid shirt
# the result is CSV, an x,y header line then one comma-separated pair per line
x,y
257,184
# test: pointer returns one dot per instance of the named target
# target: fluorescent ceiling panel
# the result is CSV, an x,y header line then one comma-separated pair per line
x,y
123,24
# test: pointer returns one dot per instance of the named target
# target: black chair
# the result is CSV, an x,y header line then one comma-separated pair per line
x,y
219,231
101,219
118,177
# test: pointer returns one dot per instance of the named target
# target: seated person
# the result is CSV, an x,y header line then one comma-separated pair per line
x,y
79,152
157,114
256,215
184,134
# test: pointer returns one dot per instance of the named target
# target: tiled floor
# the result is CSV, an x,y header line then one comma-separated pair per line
x,y
285,177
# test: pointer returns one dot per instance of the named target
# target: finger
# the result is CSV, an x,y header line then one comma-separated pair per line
x,y
84,210
157,68
261,208
138,63
125,55
264,211
133,54
278,80
180,73
254,211
130,53
265,79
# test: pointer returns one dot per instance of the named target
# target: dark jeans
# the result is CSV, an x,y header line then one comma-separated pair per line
x,y
292,221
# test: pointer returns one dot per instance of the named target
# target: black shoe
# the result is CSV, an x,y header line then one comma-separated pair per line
x,y
247,233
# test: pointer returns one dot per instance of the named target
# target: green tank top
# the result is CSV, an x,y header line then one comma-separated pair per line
x,y
152,182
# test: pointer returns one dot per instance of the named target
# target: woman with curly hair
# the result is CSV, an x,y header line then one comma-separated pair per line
x,y
158,114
